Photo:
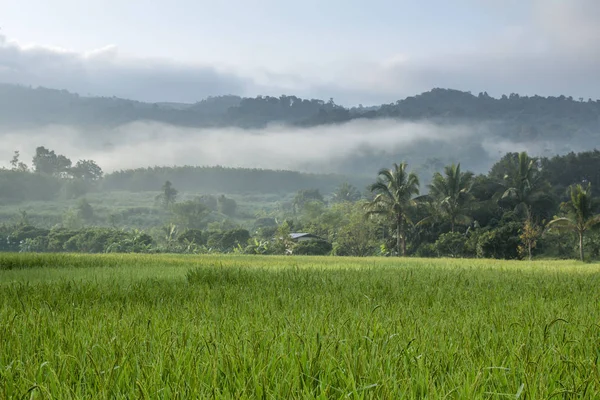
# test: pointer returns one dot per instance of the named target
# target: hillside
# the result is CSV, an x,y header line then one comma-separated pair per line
x,y
428,130
522,117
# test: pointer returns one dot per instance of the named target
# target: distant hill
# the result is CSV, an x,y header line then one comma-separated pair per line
x,y
519,117
544,126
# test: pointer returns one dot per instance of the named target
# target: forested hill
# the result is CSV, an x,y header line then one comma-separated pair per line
x,y
521,118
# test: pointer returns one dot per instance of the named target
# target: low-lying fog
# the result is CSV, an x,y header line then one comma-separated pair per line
x,y
357,147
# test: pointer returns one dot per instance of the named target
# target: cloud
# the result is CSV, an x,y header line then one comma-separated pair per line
x,y
550,48
104,72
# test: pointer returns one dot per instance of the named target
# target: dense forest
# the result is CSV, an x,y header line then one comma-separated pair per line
x,y
523,207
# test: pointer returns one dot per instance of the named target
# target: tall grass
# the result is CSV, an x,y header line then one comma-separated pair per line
x,y
130,326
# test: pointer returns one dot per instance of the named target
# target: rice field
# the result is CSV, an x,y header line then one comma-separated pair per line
x,y
183,327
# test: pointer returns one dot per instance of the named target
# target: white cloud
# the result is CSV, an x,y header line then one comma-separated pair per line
x,y
104,72
551,51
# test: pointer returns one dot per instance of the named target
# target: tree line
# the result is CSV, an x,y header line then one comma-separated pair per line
x,y
523,208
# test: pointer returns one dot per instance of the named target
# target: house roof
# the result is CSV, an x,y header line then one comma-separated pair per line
x,y
303,235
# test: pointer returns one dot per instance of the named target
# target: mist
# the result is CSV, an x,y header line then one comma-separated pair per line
x,y
332,148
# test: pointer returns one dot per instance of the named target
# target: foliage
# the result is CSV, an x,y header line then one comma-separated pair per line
x,y
355,235
502,242
345,192
306,196
226,206
85,211
312,248
190,214
394,190
526,189
228,240
168,194
580,214
451,193
451,244
86,170
529,237
16,163
49,163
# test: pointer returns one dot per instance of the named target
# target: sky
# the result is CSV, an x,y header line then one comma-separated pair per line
x,y
356,52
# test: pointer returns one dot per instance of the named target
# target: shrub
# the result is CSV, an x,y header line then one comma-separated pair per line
x,y
502,242
312,248
451,244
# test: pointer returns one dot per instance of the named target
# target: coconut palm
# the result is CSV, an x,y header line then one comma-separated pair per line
x,y
523,185
580,217
394,190
451,194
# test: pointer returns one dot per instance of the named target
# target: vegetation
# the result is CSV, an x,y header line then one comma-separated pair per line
x,y
394,190
452,195
580,213
503,214
129,326
522,118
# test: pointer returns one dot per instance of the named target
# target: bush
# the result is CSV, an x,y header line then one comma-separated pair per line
x,y
502,242
451,244
426,250
35,245
20,234
192,236
226,206
226,241
312,248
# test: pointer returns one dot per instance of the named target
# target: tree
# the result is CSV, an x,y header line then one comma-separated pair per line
x,y
529,237
16,164
523,182
305,196
354,236
190,214
168,194
226,206
346,192
87,170
48,162
85,210
394,190
580,214
451,193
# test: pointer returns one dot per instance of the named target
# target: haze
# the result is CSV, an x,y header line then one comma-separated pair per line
x,y
318,149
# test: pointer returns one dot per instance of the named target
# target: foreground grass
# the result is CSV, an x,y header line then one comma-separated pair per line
x,y
127,326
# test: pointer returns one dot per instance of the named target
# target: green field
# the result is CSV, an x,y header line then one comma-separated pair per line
x,y
130,326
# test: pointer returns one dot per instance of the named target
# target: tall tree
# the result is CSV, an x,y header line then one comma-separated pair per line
x,y
168,194
451,193
580,214
48,162
394,190
524,186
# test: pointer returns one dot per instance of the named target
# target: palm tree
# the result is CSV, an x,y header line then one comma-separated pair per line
x,y
452,195
580,217
395,189
523,184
